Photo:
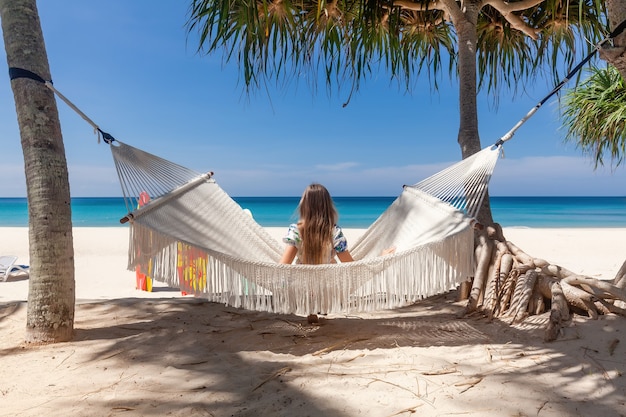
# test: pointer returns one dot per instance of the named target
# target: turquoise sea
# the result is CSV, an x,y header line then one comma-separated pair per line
x,y
360,212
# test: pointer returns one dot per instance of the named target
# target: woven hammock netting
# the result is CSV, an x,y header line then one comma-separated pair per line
x,y
192,235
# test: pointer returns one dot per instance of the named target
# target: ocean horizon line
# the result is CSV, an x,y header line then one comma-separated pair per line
x,y
360,211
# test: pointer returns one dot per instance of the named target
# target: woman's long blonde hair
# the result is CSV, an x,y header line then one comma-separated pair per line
x,y
318,217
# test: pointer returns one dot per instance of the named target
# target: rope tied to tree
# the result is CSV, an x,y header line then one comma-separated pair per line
x,y
616,32
15,73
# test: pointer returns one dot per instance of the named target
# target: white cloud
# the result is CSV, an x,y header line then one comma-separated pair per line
x,y
530,176
556,176
341,166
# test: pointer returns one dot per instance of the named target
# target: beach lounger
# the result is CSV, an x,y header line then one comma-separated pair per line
x,y
8,266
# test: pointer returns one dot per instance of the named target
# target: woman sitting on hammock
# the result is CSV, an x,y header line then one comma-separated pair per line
x,y
316,238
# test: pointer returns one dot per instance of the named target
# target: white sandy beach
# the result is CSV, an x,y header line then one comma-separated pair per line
x,y
139,353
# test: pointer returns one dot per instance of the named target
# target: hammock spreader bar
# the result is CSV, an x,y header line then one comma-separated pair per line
x,y
618,30
167,197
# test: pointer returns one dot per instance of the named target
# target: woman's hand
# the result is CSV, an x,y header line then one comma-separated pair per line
x,y
388,251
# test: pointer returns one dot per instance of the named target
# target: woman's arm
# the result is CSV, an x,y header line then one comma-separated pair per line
x,y
289,254
345,256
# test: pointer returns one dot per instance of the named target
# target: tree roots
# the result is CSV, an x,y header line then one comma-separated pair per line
x,y
511,285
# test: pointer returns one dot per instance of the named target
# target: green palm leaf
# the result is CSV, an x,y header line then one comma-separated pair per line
x,y
345,41
595,115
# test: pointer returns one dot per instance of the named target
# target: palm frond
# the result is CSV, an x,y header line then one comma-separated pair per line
x,y
595,115
344,42
505,56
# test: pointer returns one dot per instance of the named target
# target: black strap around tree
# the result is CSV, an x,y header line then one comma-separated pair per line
x,y
618,30
24,73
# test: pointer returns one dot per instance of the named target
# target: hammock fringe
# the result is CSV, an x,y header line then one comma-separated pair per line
x,y
373,284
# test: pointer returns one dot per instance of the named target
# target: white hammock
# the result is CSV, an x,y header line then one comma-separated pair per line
x,y
194,236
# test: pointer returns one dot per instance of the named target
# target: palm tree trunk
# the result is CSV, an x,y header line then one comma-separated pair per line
x,y
616,54
468,137
50,316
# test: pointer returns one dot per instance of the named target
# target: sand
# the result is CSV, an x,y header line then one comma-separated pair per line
x,y
160,353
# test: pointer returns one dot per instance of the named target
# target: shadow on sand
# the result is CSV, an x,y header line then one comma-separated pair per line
x,y
194,354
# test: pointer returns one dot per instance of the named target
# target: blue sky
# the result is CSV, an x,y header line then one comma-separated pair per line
x,y
132,68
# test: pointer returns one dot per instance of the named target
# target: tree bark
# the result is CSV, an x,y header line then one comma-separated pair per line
x,y
522,295
468,137
559,313
615,54
483,262
51,296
